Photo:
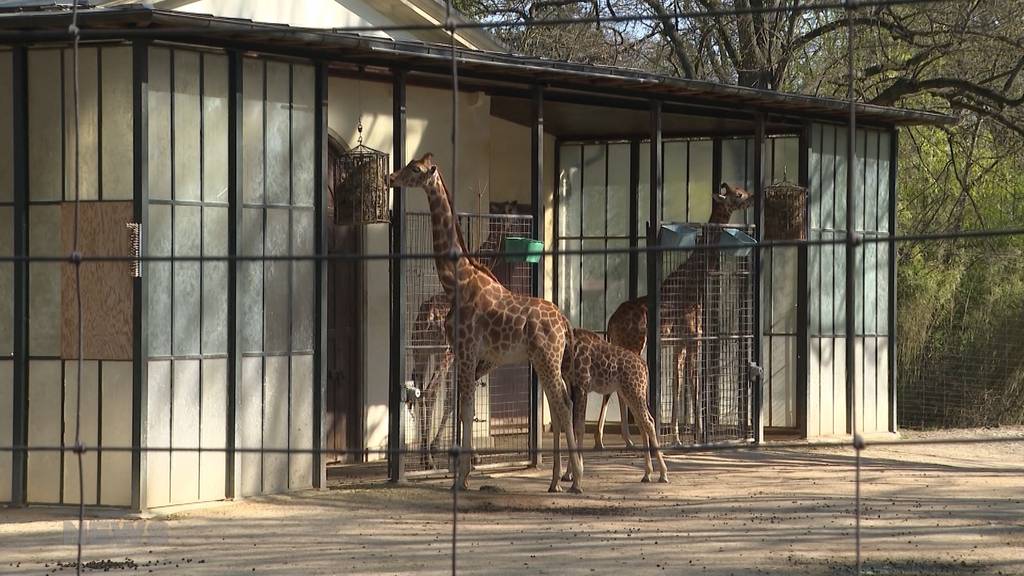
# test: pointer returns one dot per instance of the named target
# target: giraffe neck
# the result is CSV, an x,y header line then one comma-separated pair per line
x,y
448,236
703,261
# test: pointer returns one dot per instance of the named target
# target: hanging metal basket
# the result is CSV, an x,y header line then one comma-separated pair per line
x,y
785,208
361,190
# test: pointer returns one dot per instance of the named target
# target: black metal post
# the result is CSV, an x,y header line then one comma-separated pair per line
x,y
19,125
852,242
140,344
757,383
235,178
803,291
396,464
320,306
634,216
894,155
536,200
653,268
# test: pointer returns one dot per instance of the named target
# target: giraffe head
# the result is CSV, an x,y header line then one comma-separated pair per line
x,y
416,174
733,198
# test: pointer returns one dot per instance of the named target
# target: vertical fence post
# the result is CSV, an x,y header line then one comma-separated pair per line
x,y
536,189
803,291
140,346
634,217
320,305
235,139
757,383
653,268
396,428
19,125
852,242
894,155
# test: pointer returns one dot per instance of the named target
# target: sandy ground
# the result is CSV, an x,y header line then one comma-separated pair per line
x,y
927,509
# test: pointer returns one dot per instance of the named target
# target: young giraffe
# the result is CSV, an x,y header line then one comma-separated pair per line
x,y
602,367
490,325
627,326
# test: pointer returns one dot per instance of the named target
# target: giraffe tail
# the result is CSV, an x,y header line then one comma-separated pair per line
x,y
569,362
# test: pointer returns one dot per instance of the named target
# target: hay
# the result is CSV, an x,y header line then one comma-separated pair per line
x,y
784,212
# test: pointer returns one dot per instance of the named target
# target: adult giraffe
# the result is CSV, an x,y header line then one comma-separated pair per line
x,y
627,326
489,325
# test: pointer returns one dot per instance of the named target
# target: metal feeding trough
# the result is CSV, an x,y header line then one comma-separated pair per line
x,y
519,249
677,235
736,242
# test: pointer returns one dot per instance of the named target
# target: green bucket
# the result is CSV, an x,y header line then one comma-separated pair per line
x,y
518,249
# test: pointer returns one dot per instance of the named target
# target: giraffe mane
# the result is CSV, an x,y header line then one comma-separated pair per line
x,y
458,232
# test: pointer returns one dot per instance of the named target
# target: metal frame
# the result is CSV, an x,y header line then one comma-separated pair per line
x,y
803,311
140,312
396,354
234,375
653,268
634,217
319,414
894,154
536,195
758,178
19,128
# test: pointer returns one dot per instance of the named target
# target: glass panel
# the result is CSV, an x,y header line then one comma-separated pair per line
x,y
569,281
275,424
828,177
884,190
250,424
45,136
277,281
785,159
858,296
6,420
213,428
6,135
44,429
6,281
839,284
870,288
735,164
595,208
252,130
187,242
641,268
674,202
700,173
44,281
116,430
117,128
814,171
618,190
815,284
883,289
871,183
829,313
159,118
303,281
278,138
643,192
860,182
185,407
250,281
187,126
158,279
88,115
215,287
841,146
618,278
215,128
158,433
88,429
303,135
569,191
300,433
592,288
784,289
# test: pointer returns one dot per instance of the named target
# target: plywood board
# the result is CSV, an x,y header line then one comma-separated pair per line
x,y
116,430
44,421
106,286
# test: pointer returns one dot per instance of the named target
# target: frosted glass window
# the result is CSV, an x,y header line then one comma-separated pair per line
x,y
44,281
300,433
618,277
88,115
277,138
159,119
829,313
6,281
870,288
250,425
89,431
252,131
839,282
45,137
595,209
187,126
304,153
275,424
158,422
116,471
828,177
215,128
215,287
187,230
185,402
117,127
814,171
250,281
643,198
6,424
44,428
883,289
858,299
6,134
618,189
159,280
592,287
570,190
303,281
884,163
700,173
569,282
860,181
841,146
212,429
785,159
871,183
674,201
277,280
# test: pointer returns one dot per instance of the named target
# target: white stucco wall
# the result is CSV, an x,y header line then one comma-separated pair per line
x,y
304,13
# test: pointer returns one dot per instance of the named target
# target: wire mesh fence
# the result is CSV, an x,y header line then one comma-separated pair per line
x,y
980,384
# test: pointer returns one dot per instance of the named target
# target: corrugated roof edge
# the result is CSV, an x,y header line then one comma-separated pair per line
x,y
327,42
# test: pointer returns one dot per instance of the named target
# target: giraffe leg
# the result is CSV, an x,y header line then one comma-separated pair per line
x,y
636,403
579,413
647,460
599,432
678,392
694,382
624,422
557,393
467,410
440,378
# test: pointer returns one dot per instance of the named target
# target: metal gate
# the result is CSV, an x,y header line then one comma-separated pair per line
x,y
707,340
502,421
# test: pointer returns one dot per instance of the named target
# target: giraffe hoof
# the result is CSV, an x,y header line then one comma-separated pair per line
x,y
645,479
598,446
554,488
663,479
576,490
567,477
630,445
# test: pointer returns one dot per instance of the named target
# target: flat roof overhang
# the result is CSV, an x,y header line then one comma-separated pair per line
x,y
704,108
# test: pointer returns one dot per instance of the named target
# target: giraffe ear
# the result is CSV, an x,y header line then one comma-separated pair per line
x,y
432,170
428,159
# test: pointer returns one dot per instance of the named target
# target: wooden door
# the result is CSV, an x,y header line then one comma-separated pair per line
x,y
344,401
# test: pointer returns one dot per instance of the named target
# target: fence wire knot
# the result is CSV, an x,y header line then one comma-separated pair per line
x,y
75,257
78,448
858,442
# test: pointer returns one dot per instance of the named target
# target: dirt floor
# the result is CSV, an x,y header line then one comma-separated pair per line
x,y
927,509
